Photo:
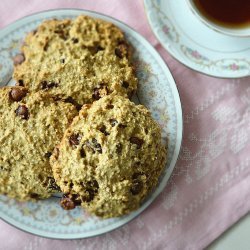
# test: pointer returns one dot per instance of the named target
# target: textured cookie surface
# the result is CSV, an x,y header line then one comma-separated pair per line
x,y
110,157
67,57
30,127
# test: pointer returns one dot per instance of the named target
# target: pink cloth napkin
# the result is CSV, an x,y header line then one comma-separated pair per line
x,y
210,187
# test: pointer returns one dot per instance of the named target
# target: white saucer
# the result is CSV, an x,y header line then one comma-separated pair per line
x,y
195,45
156,90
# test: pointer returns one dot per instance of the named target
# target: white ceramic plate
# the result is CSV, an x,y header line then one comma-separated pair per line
x,y
194,44
157,91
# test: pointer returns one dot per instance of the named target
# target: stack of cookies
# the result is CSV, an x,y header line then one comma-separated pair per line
x,y
68,125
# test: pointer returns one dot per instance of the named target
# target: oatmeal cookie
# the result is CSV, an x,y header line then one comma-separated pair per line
x,y
30,127
81,60
110,157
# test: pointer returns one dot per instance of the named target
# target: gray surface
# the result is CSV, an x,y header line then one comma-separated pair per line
x,y
235,238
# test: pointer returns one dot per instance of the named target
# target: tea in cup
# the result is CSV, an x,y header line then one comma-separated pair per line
x,y
231,17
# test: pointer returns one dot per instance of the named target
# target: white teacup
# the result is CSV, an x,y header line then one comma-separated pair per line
x,y
239,32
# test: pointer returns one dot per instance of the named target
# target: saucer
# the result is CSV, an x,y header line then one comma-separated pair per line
x,y
194,44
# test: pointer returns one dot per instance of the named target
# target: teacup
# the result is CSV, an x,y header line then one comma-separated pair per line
x,y
232,30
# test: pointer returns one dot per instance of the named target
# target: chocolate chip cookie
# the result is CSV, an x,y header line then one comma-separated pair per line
x,y
30,127
80,60
110,157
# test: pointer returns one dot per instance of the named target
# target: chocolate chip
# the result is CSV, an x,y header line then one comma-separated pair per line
x,y
96,94
82,153
41,177
110,106
63,35
136,187
72,101
48,154
18,59
121,41
125,84
91,185
20,83
103,130
119,148
56,98
46,46
136,175
22,111
4,169
137,141
62,60
52,185
99,48
75,40
74,140
118,52
100,92
94,49
91,189
76,199
44,84
122,125
69,100
90,195
94,184
34,196
67,203
48,85
97,146
94,145
52,85
121,50
17,94
113,122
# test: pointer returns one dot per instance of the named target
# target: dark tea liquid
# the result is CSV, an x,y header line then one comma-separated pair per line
x,y
229,13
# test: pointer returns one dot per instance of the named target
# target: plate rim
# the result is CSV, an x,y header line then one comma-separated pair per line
x,y
176,56
179,133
